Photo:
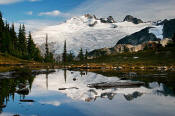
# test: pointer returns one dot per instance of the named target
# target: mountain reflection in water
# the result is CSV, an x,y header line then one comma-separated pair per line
x,y
69,90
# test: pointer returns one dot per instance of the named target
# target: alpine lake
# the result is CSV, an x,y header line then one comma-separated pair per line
x,y
62,92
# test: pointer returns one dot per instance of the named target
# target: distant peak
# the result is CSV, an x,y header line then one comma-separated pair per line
x,y
132,19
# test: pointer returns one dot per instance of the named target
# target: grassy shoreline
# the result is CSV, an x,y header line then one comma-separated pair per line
x,y
8,63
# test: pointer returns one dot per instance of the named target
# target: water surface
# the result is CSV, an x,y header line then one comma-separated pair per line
x,y
66,93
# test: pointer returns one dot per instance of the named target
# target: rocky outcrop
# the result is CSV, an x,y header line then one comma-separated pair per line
x,y
99,52
121,48
132,19
93,24
165,41
110,19
88,16
138,37
161,22
132,96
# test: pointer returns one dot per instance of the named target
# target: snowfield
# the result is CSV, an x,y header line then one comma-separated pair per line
x,y
78,34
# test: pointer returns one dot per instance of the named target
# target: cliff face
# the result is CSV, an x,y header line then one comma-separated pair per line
x,y
138,37
169,28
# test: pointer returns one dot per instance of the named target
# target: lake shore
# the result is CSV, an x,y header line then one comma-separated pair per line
x,y
120,67
34,66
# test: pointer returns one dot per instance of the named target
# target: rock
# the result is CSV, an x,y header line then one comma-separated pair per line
x,y
95,17
106,85
138,38
93,91
89,99
2,106
62,88
88,16
16,115
103,20
74,79
130,97
169,28
110,20
162,22
67,88
93,24
99,52
124,78
21,85
25,100
109,95
132,19
24,91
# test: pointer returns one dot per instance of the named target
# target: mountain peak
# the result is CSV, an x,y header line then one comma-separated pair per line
x,y
132,19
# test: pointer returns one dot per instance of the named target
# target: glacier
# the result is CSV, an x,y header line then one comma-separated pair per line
x,y
78,34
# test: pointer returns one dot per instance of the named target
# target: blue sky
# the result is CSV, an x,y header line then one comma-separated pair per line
x,y
39,13
27,10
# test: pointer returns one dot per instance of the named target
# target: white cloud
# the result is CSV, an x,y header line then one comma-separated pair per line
x,y
34,0
3,2
9,1
34,25
29,13
145,9
52,13
54,103
55,13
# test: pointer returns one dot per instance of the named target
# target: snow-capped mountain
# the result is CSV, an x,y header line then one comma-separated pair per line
x,y
85,32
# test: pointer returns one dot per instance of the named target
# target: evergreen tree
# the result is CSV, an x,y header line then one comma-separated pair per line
x,y
14,37
173,38
81,55
65,53
70,57
47,50
31,47
14,40
18,46
1,23
48,55
86,55
1,29
38,56
22,41
6,40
